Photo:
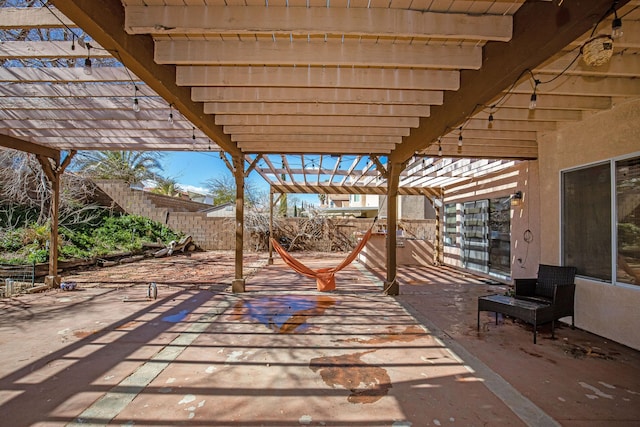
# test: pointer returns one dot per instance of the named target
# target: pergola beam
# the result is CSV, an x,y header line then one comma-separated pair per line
x,y
308,109
328,77
540,29
31,17
319,95
104,21
14,143
339,189
355,22
315,53
333,121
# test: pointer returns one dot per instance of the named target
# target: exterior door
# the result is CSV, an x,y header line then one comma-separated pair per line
x,y
475,236
500,236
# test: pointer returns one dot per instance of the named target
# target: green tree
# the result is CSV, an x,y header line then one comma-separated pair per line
x,y
223,190
167,187
130,166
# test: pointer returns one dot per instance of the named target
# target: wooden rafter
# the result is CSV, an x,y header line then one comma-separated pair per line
x,y
538,33
104,21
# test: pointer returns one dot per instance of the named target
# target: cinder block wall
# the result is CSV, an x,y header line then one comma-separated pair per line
x,y
207,233
215,233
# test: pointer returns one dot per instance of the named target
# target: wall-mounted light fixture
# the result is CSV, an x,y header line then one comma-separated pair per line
x,y
516,198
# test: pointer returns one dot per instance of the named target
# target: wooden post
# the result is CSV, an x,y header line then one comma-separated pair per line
x,y
238,171
53,279
270,261
391,284
53,169
439,207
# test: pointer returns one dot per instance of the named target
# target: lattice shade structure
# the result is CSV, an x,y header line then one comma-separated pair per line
x,y
597,51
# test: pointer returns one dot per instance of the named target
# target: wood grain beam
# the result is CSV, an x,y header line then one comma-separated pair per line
x,y
104,21
620,65
284,120
316,109
584,86
320,95
353,21
31,17
328,77
319,53
330,148
540,29
125,145
339,189
314,130
19,144
47,49
304,139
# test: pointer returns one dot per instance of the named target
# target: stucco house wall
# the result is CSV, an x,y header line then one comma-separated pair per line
x,y
605,309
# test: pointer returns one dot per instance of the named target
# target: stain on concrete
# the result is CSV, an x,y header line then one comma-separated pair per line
x,y
83,334
175,318
367,383
283,314
187,399
305,419
596,391
129,325
410,333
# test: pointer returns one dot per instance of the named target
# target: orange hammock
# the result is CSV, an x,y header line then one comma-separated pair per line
x,y
325,277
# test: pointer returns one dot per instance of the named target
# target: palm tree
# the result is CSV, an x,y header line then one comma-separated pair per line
x,y
130,166
167,187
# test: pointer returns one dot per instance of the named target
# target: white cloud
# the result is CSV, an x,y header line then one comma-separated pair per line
x,y
193,188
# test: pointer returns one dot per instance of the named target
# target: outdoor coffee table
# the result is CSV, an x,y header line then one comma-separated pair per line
x,y
531,312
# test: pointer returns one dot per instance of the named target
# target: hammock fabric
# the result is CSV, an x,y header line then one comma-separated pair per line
x,y
325,277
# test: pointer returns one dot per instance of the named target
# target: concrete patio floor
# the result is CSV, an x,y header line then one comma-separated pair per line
x,y
282,354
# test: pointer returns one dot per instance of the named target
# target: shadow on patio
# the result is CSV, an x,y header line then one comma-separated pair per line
x,y
283,354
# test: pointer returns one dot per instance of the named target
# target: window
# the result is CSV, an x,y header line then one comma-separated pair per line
x,y
589,235
628,221
450,224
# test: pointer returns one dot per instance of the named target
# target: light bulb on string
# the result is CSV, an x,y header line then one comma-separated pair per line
x,y
533,101
490,123
87,62
170,119
460,138
439,147
616,26
87,66
136,104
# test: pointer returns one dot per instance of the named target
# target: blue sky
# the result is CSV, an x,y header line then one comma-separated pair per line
x,y
193,168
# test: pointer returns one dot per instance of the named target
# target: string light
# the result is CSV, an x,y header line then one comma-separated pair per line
x,y
616,26
490,123
533,102
193,133
170,119
87,62
136,104
439,147
460,138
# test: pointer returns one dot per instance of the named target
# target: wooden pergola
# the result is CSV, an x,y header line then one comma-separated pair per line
x,y
427,92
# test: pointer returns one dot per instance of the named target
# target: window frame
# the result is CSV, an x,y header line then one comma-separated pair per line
x,y
613,212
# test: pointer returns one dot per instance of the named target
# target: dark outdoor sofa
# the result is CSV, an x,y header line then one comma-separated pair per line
x,y
554,286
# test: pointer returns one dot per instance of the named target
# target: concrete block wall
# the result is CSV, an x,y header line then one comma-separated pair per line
x,y
207,233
